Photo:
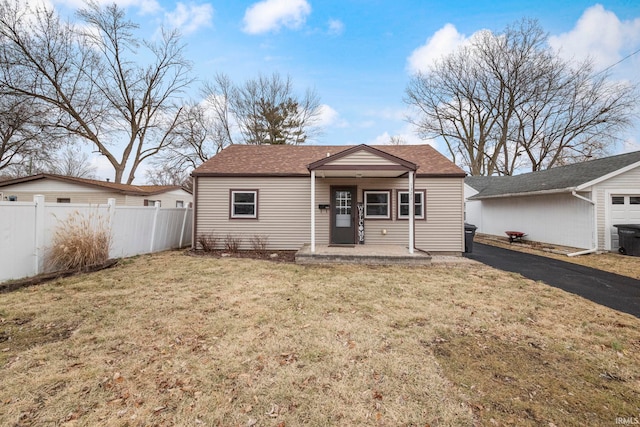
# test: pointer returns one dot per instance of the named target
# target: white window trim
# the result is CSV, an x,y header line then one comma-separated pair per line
x,y
388,215
422,196
255,205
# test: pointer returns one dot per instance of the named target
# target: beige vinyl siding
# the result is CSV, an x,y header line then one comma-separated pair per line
x,y
167,200
629,182
441,232
170,198
99,197
284,211
90,197
362,158
53,190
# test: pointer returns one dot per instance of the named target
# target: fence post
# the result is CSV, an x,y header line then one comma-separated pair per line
x,y
39,232
155,224
184,224
111,211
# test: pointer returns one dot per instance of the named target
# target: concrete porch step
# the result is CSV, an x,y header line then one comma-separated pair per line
x,y
362,254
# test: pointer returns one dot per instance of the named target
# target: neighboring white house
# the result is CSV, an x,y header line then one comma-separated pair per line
x,y
575,205
67,189
332,195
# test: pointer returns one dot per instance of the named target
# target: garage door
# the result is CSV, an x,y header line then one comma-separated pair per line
x,y
625,209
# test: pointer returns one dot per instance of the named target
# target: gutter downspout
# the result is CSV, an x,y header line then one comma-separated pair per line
x,y
595,225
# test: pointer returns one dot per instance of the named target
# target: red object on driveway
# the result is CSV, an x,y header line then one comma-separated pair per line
x,y
515,235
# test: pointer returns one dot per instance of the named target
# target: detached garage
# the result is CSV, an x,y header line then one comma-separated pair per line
x,y
575,205
625,209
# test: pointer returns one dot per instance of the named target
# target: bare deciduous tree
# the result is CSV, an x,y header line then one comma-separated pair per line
x,y
262,111
93,75
507,101
70,161
397,140
196,138
21,141
169,176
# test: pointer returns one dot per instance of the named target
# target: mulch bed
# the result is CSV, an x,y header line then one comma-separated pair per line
x,y
275,256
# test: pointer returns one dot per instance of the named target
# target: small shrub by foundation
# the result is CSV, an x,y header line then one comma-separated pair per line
x,y
232,243
208,242
79,241
259,243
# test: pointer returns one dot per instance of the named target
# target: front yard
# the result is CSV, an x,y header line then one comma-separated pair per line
x,y
170,339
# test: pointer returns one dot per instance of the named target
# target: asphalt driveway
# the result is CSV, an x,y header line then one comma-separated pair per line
x,y
611,290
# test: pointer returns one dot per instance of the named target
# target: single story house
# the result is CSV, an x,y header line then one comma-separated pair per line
x,y
331,195
574,205
68,189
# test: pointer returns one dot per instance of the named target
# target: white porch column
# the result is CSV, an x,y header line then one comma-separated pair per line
x,y
313,211
411,212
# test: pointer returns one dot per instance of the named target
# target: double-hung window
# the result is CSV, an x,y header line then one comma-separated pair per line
x,y
403,204
377,204
244,204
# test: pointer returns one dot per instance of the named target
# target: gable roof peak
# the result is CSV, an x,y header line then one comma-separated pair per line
x,y
362,147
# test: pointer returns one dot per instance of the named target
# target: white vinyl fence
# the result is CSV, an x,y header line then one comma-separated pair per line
x,y
27,228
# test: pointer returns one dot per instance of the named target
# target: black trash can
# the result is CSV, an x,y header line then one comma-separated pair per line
x,y
469,234
629,239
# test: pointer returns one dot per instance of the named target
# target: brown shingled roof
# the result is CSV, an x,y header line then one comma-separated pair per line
x,y
290,160
141,190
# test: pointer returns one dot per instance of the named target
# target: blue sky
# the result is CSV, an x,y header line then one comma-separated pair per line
x,y
360,54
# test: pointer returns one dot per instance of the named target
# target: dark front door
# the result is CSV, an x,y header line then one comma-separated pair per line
x,y
343,228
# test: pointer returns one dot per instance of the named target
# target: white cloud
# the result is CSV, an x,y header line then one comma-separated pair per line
x,y
406,134
32,5
443,42
189,18
336,27
145,6
103,169
397,114
330,117
271,15
598,35
382,139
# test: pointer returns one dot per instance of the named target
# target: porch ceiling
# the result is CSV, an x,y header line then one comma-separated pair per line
x,y
360,173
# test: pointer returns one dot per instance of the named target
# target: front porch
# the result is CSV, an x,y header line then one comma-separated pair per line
x,y
360,190
362,254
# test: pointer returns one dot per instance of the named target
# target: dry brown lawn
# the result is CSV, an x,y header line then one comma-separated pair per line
x,y
170,339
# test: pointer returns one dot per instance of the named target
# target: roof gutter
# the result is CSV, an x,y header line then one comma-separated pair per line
x,y
595,224
523,194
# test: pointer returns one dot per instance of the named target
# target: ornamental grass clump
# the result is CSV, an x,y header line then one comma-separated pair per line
x,y
79,241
